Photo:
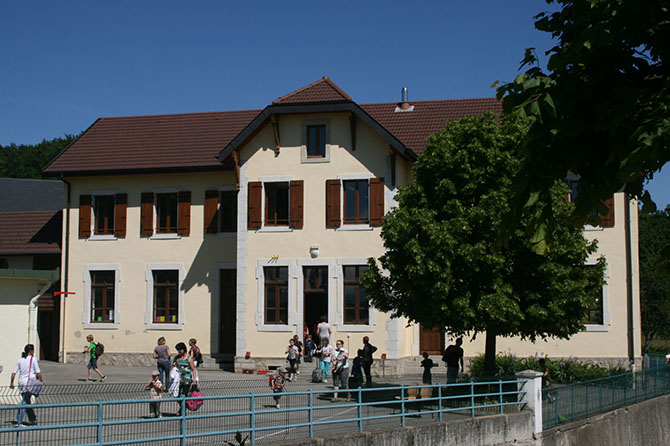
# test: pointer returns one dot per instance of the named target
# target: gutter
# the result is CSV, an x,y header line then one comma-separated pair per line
x,y
66,267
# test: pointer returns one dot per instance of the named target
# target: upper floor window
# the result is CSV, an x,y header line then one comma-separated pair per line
x,y
103,211
355,202
102,215
166,213
594,314
276,204
606,220
221,211
356,305
228,200
102,296
316,141
276,295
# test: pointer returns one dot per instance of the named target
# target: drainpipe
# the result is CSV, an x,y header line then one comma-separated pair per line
x,y
66,268
32,319
629,282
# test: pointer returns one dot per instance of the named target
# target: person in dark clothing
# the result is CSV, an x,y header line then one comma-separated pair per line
x,y
368,350
427,364
453,355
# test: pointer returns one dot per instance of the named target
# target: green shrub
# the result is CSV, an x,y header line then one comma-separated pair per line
x,y
561,371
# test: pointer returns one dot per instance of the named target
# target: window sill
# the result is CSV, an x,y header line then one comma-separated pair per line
x,y
342,328
275,229
101,326
315,160
355,228
169,327
593,228
595,328
102,237
165,237
275,328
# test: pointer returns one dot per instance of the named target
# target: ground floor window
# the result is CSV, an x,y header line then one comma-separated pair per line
x,y
356,305
102,296
276,295
166,296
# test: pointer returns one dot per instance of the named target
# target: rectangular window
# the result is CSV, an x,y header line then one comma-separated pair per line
x,y
276,204
166,213
316,141
594,314
228,211
102,296
166,296
103,211
356,305
276,295
356,202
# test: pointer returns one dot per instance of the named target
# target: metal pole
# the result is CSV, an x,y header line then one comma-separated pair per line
x,y
183,420
439,399
252,421
311,415
360,410
472,398
99,421
402,405
501,396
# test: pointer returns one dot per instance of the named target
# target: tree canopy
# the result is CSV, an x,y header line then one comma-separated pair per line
x,y
445,268
601,109
654,281
28,160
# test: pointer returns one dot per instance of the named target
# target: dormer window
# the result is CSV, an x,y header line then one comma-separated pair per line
x,y
316,141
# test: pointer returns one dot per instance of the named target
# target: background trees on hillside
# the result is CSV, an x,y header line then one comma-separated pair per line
x,y
28,160
443,266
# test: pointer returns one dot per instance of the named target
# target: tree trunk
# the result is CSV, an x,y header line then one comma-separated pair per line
x,y
647,341
490,353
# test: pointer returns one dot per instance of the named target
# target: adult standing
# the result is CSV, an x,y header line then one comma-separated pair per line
x,y
29,373
368,350
93,359
323,329
340,369
187,371
195,352
453,356
162,355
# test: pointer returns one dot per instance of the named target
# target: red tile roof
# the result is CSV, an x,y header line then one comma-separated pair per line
x,y
30,232
192,141
323,90
427,117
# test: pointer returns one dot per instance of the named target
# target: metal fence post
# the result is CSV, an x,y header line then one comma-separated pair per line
x,y
439,399
252,419
360,410
402,405
311,414
99,435
472,399
183,420
501,396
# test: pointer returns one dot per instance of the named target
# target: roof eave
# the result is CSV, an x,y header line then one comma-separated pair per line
x,y
148,170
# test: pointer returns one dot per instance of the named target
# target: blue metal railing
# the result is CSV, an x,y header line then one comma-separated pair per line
x,y
303,414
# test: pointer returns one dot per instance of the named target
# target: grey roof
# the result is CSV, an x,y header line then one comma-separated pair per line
x,y
18,195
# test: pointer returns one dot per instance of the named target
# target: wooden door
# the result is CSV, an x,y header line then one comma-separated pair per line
x,y
431,340
228,311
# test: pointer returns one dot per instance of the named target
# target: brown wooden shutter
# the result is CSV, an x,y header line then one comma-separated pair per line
x,y
254,211
211,211
84,216
296,197
376,201
184,213
120,206
333,203
608,220
147,211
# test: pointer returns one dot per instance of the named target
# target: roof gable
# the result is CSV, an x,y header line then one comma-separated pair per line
x,y
323,90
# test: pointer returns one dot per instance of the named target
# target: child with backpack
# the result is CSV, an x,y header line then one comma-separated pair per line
x,y
277,382
95,350
292,358
155,386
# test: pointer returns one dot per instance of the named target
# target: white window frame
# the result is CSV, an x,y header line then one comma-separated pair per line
x,y
333,315
94,194
352,177
304,159
260,296
607,320
277,179
218,208
86,316
372,313
148,315
156,235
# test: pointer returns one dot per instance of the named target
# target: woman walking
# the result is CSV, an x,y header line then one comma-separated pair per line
x,y
162,354
29,374
187,371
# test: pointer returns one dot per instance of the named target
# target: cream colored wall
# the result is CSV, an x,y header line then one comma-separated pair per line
x,y
613,341
197,252
259,161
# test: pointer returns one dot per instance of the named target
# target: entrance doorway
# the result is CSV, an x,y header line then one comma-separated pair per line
x,y
431,340
227,310
315,286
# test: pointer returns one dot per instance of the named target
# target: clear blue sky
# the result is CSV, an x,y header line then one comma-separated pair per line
x,y
64,64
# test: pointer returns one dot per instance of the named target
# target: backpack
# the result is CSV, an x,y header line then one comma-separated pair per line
x,y
99,349
198,359
194,405
317,377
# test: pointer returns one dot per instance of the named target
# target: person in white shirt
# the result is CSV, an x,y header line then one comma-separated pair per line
x,y
29,373
340,369
323,329
325,351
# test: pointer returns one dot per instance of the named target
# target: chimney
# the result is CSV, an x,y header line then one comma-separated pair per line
x,y
404,105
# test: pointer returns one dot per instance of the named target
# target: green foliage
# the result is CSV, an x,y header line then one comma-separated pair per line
x,y
601,110
27,161
654,236
446,268
561,371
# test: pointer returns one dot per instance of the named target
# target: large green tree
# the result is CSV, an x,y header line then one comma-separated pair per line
x,y
28,160
654,280
443,266
601,109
